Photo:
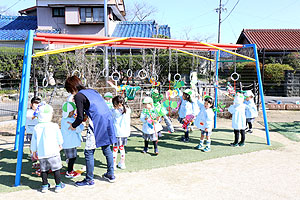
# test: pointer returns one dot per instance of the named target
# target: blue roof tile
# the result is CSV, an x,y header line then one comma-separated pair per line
x,y
140,29
17,27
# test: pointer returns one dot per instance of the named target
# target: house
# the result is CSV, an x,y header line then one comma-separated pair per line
x,y
272,42
85,17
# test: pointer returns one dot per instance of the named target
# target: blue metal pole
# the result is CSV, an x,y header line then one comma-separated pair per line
x,y
261,91
26,77
21,99
216,87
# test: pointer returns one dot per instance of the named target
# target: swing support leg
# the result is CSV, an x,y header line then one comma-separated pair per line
x,y
216,87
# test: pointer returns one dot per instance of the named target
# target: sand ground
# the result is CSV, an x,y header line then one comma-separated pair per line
x,y
267,174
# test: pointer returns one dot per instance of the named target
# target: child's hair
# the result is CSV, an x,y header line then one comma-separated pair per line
x,y
210,101
35,100
119,100
188,97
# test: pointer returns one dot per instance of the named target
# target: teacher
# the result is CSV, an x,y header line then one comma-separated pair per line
x,y
101,132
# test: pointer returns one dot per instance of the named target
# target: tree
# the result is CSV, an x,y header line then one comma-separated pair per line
x,y
140,11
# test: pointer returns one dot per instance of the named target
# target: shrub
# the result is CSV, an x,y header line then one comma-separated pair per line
x,y
275,72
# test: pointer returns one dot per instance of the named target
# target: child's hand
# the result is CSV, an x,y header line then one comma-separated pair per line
x,y
71,127
34,155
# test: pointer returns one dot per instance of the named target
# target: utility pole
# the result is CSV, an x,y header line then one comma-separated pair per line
x,y
219,10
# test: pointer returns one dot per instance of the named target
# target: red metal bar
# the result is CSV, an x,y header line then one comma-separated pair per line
x,y
132,42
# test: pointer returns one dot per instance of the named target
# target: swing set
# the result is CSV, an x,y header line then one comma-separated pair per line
x,y
86,41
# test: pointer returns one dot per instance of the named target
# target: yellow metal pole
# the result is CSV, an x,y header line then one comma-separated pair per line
x,y
77,47
194,55
221,49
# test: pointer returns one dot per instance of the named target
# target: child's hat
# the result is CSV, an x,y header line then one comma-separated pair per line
x,y
148,100
188,91
108,94
45,113
239,98
67,107
249,93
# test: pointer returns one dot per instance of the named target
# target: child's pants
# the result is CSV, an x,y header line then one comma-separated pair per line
x,y
236,136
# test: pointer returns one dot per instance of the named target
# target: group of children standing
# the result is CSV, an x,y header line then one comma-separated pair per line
x,y
48,139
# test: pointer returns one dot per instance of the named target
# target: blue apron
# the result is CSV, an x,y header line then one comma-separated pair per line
x,y
102,119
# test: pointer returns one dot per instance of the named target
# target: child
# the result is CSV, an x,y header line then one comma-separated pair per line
x,y
108,97
47,142
251,110
204,121
31,120
72,139
121,115
187,108
151,125
238,119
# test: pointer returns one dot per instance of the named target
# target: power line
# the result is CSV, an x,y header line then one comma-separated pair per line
x,y
231,11
10,7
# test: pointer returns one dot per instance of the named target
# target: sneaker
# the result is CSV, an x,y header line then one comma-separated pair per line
x,y
109,178
249,131
59,187
156,151
45,188
241,144
206,149
35,165
199,147
84,182
234,144
72,174
145,150
121,165
186,139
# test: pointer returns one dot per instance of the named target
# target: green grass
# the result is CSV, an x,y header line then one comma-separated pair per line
x,y
291,130
171,152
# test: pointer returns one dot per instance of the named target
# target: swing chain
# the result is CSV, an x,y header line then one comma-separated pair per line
x,y
129,71
177,74
143,71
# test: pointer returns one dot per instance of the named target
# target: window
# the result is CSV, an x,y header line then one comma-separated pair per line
x,y
58,12
91,15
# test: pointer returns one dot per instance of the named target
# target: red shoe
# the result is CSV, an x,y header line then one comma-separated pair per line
x,y
72,174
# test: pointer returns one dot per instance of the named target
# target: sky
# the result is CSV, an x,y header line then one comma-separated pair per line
x,y
198,20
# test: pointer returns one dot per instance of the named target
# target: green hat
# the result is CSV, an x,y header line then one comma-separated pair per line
x,y
108,94
148,100
67,108
188,91
45,113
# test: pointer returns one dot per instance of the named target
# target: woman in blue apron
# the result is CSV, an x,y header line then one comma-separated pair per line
x,y
91,103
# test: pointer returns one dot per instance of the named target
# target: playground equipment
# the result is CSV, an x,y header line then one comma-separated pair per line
x,y
84,42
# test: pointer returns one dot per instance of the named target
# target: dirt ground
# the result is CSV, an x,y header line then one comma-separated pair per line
x,y
267,174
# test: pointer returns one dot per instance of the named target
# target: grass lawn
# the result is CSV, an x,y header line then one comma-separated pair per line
x,y
171,152
291,130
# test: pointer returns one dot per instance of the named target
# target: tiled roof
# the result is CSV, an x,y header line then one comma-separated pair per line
x,y
17,27
140,29
272,39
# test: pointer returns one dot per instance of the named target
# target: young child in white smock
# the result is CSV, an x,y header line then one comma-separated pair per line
x,y
251,110
204,121
46,144
121,114
238,119
72,138
151,126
